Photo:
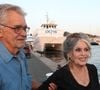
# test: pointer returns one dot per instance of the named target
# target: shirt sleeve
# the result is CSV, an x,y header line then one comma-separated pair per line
x,y
55,78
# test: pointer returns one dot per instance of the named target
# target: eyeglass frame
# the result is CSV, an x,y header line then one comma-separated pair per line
x,y
17,28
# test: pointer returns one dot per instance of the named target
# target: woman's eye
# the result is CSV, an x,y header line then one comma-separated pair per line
x,y
80,49
86,49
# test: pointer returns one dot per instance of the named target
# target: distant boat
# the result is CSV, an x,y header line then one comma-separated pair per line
x,y
48,39
94,43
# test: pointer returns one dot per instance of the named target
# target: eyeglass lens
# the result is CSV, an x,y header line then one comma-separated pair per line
x,y
18,28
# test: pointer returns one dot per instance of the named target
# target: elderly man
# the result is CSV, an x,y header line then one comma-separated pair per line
x,y
13,64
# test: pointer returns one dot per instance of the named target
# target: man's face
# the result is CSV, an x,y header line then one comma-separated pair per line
x,y
12,39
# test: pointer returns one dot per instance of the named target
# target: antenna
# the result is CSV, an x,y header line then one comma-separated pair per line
x,y
47,19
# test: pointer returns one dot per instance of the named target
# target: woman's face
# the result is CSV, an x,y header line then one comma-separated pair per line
x,y
80,53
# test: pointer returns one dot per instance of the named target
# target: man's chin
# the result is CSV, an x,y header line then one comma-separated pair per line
x,y
21,46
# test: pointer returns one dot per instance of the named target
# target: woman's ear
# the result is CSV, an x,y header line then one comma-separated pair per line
x,y
69,54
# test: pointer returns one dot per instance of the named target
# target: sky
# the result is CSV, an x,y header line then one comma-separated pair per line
x,y
70,15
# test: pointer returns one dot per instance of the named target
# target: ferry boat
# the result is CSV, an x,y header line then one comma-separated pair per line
x,y
95,40
94,43
48,39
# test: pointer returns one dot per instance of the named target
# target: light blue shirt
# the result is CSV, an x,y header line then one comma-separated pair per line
x,y
13,71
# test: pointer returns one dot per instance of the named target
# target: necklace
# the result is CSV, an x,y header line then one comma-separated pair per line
x,y
80,74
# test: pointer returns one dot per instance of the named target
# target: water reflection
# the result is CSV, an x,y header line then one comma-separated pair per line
x,y
95,58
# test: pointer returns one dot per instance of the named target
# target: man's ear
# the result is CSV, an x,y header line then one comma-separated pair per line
x,y
1,33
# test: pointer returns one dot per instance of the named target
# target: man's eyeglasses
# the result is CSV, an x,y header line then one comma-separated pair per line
x,y
17,28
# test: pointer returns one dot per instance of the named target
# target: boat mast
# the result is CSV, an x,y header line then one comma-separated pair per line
x,y
47,18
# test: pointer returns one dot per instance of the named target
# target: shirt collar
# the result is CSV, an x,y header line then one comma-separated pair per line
x,y
5,54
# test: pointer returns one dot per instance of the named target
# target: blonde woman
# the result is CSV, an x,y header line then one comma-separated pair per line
x,y
77,74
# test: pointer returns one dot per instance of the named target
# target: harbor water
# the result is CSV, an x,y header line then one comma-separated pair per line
x,y
95,58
